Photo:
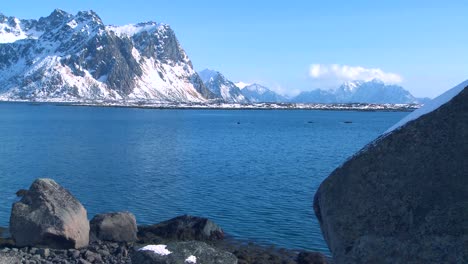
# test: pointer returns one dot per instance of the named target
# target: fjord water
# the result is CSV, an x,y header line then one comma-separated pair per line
x,y
254,172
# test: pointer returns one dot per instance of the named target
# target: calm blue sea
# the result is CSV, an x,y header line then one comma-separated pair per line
x,y
254,172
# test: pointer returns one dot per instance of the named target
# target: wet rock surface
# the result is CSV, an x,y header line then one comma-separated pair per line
x,y
403,199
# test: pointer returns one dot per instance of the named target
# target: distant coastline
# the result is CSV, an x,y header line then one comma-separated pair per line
x,y
230,106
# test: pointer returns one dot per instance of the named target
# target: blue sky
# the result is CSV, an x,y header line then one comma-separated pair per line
x,y
293,46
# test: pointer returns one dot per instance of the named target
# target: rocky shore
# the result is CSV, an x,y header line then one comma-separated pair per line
x,y
48,225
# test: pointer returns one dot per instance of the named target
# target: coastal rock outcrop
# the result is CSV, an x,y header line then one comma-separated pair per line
x,y
403,198
48,215
182,252
117,227
183,228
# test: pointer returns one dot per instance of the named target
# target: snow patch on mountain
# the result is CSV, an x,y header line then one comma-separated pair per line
x,y
222,87
242,85
132,29
66,57
258,93
374,91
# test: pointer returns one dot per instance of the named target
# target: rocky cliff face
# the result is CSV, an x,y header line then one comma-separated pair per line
x,y
76,57
403,198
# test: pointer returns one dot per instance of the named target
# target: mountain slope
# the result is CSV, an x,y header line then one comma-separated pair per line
x,y
222,87
76,57
258,93
374,91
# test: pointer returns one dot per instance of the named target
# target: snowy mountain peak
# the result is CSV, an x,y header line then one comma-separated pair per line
x,y
374,91
133,29
351,85
257,88
258,93
242,85
222,87
207,74
65,57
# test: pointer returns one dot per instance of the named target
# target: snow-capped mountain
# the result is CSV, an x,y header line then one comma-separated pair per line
x,y
66,57
257,93
374,91
222,87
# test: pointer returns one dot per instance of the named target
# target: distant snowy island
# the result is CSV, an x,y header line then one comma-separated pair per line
x,y
231,106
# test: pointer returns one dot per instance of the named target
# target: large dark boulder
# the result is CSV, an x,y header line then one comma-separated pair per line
x,y
182,253
403,198
48,215
117,227
183,227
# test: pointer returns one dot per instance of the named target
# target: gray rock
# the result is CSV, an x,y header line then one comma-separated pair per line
x,y
44,252
48,215
184,228
180,251
404,198
117,227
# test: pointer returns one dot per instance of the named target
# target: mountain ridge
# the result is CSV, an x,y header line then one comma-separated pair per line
x,y
225,89
76,57
374,91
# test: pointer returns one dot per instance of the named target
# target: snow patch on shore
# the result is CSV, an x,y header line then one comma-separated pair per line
x,y
157,249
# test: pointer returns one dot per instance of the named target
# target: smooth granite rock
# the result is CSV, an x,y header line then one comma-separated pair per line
x,y
117,227
48,215
182,253
404,198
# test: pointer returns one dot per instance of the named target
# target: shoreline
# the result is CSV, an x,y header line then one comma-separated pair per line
x,y
102,251
361,107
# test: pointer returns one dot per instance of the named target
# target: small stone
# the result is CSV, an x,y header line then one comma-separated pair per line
x,y
103,252
73,253
33,251
44,252
90,256
82,261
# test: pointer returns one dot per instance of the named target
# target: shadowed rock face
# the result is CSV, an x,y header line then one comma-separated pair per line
x,y
184,228
48,215
117,227
404,198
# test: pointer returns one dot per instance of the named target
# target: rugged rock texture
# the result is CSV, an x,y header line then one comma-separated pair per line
x,y
96,252
404,198
66,57
117,227
48,215
181,251
182,228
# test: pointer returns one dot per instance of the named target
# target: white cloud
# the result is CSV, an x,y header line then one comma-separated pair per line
x,y
343,73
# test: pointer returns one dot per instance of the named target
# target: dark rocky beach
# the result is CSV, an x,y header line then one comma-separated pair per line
x,y
48,225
